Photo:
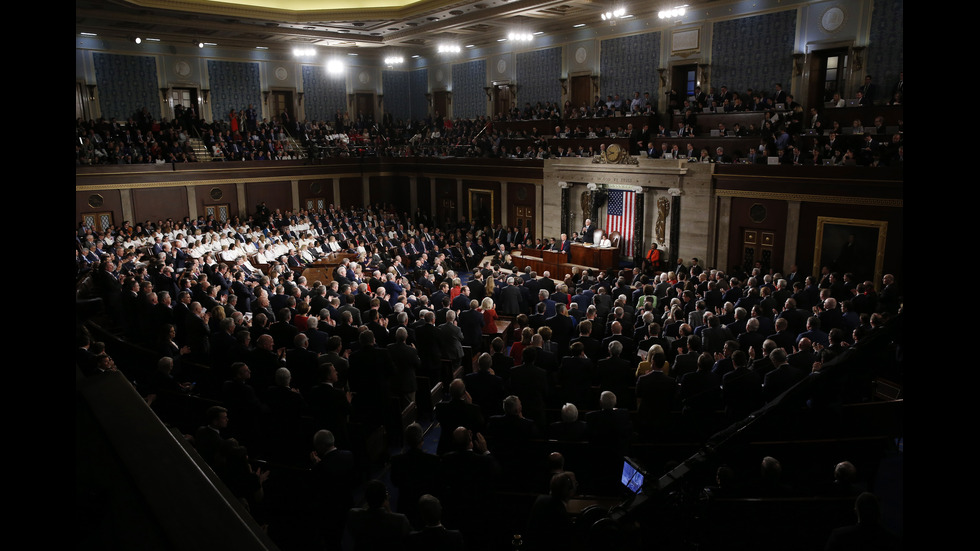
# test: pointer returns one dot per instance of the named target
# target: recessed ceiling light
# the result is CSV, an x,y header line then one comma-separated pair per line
x,y
470,45
416,56
261,47
501,40
579,25
88,34
351,53
152,39
539,32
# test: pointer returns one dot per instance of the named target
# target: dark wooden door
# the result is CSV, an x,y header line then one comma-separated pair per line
x,y
581,93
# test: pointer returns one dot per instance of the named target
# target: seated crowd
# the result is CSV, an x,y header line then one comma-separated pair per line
x,y
787,132
626,347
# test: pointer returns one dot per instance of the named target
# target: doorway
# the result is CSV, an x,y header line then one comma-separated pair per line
x,y
363,109
828,75
440,104
581,91
683,79
481,207
502,99
183,104
757,246
282,103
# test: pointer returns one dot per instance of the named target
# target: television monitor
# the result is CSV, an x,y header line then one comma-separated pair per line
x,y
632,476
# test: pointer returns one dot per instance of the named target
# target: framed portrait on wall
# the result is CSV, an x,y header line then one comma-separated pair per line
x,y
851,245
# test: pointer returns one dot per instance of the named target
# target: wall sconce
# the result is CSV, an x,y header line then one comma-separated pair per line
x,y
798,63
265,97
91,91
486,90
380,98
858,62
205,92
703,67
595,84
163,93
449,98
662,71
564,85
428,99
299,98
513,91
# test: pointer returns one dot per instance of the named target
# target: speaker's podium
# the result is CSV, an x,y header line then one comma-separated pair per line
x,y
322,270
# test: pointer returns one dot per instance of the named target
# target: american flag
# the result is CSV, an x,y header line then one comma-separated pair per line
x,y
619,218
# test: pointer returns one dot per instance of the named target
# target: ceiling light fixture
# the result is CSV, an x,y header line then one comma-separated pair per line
x,y
335,66
679,11
304,52
615,14
449,49
520,37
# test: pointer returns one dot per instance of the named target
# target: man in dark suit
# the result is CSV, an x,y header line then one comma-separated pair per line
x,y
459,411
208,439
330,404
370,372
530,383
485,387
588,231
575,375
406,361
451,340
510,302
376,527
428,344
415,473
741,389
333,479
471,324
781,378
609,432
655,396
509,434
433,536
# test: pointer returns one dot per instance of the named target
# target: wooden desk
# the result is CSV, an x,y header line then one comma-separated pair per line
x,y
602,258
322,270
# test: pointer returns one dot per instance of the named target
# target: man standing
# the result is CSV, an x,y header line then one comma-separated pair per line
x,y
588,231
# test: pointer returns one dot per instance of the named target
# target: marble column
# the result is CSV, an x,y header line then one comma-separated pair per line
x,y
564,208
638,223
674,234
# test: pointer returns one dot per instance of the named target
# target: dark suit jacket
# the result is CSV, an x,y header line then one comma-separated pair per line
x,y
487,391
610,430
405,360
656,394
471,324
530,384
457,413
451,341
